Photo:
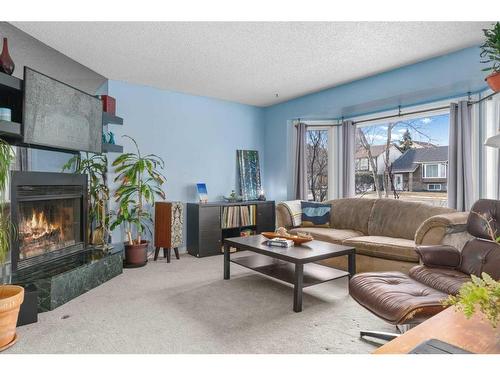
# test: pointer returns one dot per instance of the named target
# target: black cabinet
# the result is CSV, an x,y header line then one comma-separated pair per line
x,y
206,228
266,221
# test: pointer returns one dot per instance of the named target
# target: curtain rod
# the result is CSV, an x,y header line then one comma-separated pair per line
x,y
411,112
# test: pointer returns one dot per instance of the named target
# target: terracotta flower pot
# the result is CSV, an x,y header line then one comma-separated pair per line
x,y
11,297
136,255
493,81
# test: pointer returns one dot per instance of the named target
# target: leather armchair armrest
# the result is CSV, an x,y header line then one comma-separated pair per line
x,y
439,256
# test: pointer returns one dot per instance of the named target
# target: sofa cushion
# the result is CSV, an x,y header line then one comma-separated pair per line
x,y
351,213
445,280
384,247
328,234
396,218
395,297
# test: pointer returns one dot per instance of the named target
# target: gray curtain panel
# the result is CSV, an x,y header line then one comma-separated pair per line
x,y
300,163
348,162
460,190
498,177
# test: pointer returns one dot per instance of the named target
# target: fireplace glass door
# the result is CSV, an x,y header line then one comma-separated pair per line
x,y
48,226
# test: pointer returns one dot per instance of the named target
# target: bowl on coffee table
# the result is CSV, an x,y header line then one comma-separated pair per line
x,y
297,240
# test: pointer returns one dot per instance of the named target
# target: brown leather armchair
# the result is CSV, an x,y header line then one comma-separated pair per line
x,y
410,299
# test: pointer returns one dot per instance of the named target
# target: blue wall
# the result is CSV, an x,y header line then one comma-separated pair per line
x,y
196,136
439,78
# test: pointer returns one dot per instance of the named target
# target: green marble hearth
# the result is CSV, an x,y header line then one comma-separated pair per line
x,y
60,281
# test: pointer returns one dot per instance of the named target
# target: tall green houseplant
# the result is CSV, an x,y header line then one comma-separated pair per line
x,y
6,158
95,166
140,182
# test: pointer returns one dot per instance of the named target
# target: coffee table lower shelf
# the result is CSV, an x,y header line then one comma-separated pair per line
x,y
285,271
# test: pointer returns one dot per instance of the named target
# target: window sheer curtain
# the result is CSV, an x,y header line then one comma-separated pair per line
x,y
348,159
300,174
460,182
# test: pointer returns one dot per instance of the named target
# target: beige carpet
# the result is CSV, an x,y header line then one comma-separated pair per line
x,y
186,307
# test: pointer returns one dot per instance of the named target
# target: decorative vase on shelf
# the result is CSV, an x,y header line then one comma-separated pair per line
x,y
6,64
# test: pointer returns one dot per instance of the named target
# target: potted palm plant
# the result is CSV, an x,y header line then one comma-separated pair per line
x,y
490,52
140,183
95,166
11,296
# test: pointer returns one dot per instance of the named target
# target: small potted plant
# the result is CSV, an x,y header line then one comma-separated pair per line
x,y
490,53
140,182
11,296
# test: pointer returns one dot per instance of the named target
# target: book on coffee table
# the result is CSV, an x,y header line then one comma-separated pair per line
x,y
280,242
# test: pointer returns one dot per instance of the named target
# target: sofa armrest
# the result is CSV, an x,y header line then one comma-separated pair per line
x,y
433,230
439,256
283,217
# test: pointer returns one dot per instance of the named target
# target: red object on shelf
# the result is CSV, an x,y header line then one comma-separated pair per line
x,y
6,64
108,104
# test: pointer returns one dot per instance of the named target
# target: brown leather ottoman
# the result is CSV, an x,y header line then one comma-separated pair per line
x,y
395,297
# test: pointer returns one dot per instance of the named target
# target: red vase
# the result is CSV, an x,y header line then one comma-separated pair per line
x,y
6,64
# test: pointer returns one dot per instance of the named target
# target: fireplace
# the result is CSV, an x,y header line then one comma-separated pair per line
x,y
49,215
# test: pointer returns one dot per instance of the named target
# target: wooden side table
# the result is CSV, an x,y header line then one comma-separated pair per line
x,y
475,335
169,221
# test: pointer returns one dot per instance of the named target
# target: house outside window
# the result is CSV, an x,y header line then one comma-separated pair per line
x,y
410,158
434,170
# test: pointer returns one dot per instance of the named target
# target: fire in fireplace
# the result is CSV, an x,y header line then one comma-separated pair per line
x,y
45,226
49,214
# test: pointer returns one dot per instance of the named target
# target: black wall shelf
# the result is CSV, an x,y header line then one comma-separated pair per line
x,y
10,129
11,96
9,82
108,118
108,147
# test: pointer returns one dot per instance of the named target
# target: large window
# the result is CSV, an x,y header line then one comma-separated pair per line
x,y
317,163
362,164
397,159
437,170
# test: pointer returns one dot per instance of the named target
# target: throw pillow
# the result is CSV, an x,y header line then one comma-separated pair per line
x,y
315,214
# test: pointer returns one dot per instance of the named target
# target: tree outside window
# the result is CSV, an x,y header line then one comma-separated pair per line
x,y
317,164
400,150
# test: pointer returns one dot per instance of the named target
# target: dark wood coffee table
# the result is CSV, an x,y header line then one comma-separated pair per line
x,y
293,265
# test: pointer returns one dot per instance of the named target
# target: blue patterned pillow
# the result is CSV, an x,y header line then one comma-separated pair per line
x,y
315,214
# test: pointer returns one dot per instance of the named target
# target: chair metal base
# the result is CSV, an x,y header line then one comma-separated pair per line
x,y
379,335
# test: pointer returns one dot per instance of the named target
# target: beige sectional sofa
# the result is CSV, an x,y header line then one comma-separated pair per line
x,y
383,231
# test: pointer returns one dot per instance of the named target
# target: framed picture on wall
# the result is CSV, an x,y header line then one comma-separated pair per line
x,y
249,170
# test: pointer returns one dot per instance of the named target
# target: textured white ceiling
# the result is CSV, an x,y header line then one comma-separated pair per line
x,y
249,62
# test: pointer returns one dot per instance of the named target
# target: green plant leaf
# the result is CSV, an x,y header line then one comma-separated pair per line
x,y
140,181
480,293
490,49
